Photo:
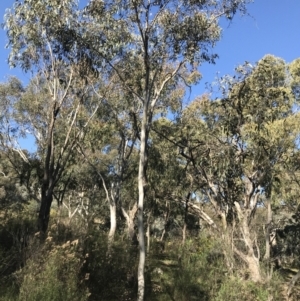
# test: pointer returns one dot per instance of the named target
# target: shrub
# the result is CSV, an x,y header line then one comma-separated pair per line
x,y
236,289
53,276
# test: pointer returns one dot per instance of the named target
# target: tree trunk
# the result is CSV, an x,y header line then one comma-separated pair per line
x,y
148,232
185,218
140,214
249,258
148,238
47,189
268,230
252,263
130,221
254,268
184,233
44,213
113,221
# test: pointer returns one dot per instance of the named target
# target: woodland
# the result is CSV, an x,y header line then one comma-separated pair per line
x,y
135,189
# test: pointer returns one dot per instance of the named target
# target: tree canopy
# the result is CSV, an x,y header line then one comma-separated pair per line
x,y
132,188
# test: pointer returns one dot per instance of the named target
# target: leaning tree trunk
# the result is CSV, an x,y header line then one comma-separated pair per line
x,y
113,221
113,225
113,200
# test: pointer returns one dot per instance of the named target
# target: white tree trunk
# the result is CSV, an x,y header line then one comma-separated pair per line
x,y
113,222
254,268
268,230
140,214
249,258
148,233
130,221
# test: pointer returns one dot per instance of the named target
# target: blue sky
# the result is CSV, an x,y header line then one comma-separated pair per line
x,y
273,27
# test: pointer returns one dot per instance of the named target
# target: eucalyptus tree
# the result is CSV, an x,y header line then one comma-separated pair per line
x,y
124,163
57,133
25,165
151,46
10,93
110,151
13,178
169,186
237,146
38,36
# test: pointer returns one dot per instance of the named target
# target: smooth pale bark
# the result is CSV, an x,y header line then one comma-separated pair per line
x,y
130,221
113,213
184,233
254,268
114,199
185,218
268,231
113,221
140,214
113,226
249,257
224,221
112,210
148,232
201,214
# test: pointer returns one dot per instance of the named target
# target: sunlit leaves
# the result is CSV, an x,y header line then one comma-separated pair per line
x,y
294,69
34,30
249,134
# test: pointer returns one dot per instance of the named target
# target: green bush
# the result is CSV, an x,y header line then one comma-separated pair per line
x,y
236,289
16,230
53,278
112,275
193,271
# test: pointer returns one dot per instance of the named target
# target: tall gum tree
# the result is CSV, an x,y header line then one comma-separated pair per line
x,y
10,93
237,147
151,46
39,36
111,144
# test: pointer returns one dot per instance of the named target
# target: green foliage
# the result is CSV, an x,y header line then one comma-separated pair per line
x,y
110,276
201,271
241,149
235,289
294,69
39,30
56,278
16,230
243,140
192,271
